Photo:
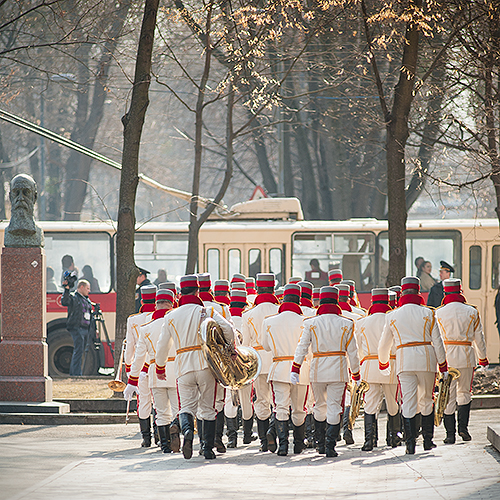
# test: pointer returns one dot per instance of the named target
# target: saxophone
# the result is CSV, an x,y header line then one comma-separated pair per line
x,y
230,373
357,393
443,396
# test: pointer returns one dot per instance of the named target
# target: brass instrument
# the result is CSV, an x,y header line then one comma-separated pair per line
x,y
443,396
117,385
230,373
357,393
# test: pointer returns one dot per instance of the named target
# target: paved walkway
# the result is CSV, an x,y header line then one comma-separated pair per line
x,y
105,461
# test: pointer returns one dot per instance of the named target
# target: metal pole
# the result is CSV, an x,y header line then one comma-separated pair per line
x,y
42,160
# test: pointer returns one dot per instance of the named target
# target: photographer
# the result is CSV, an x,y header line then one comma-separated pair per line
x,y
78,321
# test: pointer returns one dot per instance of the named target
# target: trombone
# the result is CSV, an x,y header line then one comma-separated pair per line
x,y
117,385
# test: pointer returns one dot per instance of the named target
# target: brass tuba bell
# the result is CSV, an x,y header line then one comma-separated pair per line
x,y
230,373
443,396
357,393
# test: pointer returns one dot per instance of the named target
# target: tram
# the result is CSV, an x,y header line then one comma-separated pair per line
x,y
268,235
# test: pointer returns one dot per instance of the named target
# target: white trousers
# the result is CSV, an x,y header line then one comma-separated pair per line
x,y
230,409
310,401
374,396
262,403
144,400
246,401
460,390
286,395
220,398
166,404
416,392
329,398
197,390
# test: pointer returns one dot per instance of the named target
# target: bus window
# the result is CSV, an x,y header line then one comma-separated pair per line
x,y
475,267
495,267
89,254
167,251
431,246
314,254
254,262
276,264
233,261
213,263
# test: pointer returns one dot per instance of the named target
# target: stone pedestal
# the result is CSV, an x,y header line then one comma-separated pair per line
x,y
23,349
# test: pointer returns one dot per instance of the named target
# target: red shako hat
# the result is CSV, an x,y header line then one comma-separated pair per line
x,y
292,289
265,280
329,292
452,285
334,276
380,295
148,294
221,286
410,284
165,294
189,281
237,277
306,289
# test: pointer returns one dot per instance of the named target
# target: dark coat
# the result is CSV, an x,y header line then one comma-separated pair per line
x,y
436,295
138,295
74,302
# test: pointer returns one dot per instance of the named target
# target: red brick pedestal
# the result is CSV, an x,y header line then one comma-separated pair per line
x,y
23,349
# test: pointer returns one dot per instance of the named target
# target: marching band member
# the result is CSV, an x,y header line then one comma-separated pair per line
x,y
148,295
331,337
205,294
460,327
221,292
334,277
316,297
419,349
164,392
196,386
306,292
368,331
251,291
353,297
265,304
397,290
280,336
238,305
393,300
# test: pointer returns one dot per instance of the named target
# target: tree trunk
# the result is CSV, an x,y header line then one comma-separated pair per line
x,y
133,122
87,124
194,226
397,135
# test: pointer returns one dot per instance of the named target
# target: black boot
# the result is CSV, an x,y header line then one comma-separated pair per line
x,y
209,438
410,426
394,434
370,422
201,437
418,424
272,445
463,422
175,429
331,438
450,426
282,431
299,435
163,432
262,426
219,431
319,436
428,431
232,432
310,441
187,427
375,432
156,434
345,426
145,425
248,435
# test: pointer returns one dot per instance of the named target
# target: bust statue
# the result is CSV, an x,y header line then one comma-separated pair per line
x,y
22,230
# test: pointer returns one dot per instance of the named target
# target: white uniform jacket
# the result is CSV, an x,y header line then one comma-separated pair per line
x,y
413,330
182,325
134,321
331,338
280,335
145,355
308,311
222,309
368,331
460,327
252,330
358,311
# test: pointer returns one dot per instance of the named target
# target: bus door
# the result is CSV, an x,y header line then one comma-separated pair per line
x,y
491,287
224,260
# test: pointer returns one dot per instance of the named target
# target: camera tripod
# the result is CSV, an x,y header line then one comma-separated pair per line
x,y
97,324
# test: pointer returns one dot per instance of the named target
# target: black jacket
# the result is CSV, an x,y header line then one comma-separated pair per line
x,y
138,295
436,295
74,303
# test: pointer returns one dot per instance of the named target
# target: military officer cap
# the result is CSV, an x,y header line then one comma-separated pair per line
x,y
143,271
446,267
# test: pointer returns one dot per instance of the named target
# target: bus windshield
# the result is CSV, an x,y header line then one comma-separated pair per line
x,y
88,255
